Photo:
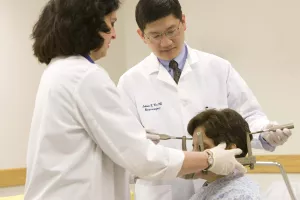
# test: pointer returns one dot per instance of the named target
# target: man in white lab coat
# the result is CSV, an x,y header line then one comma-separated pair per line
x,y
175,82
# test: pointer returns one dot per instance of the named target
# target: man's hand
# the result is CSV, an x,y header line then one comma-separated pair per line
x,y
224,161
279,137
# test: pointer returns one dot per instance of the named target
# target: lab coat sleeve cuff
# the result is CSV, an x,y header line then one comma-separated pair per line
x,y
265,144
175,163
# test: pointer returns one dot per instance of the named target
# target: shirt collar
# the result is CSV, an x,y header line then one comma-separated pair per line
x,y
180,59
89,59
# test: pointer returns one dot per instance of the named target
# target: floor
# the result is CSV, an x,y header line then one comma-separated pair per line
x,y
12,191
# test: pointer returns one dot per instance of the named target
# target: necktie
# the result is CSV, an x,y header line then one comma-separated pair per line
x,y
174,65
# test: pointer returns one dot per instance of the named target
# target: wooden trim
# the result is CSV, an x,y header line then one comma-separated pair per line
x,y
291,163
12,177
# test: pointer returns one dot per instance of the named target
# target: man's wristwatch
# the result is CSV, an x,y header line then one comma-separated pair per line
x,y
210,160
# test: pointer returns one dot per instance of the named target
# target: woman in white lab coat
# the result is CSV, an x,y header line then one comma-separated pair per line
x,y
83,138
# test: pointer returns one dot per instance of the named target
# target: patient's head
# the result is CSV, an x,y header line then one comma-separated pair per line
x,y
219,126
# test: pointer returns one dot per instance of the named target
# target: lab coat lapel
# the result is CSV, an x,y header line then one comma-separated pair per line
x,y
192,58
155,68
163,75
186,69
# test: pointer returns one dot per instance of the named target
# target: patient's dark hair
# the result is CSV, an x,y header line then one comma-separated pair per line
x,y
71,27
224,125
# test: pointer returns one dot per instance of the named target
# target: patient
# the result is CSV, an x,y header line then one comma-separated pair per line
x,y
216,127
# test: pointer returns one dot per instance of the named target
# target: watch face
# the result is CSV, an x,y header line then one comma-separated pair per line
x,y
210,160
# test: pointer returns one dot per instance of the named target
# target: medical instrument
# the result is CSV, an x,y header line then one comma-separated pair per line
x,y
168,137
274,128
250,160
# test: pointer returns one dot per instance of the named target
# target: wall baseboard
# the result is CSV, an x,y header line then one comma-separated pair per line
x,y
12,177
291,163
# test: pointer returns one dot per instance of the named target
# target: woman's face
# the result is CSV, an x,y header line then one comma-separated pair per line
x,y
110,20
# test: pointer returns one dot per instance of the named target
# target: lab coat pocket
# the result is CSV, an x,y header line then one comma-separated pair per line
x,y
153,192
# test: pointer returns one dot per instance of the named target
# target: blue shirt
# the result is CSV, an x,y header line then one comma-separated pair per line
x,y
265,144
180,59
232,187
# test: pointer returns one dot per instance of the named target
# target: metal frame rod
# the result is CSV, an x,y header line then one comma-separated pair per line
x,y
283,173
274,128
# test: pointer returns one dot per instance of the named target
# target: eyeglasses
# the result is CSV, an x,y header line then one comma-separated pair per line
x,y
157,37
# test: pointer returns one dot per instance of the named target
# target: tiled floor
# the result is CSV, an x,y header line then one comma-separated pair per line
x,y
4,192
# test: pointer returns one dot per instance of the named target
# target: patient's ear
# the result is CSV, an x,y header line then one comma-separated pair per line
x,y
231,146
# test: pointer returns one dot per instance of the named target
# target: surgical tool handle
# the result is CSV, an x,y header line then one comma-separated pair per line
x,y
288,126
274,128
164,136
167,137
184,148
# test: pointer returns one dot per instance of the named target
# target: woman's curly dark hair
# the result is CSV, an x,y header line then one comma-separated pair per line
x,y
224,125
71,27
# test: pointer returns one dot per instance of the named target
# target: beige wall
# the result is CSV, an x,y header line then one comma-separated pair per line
x,y
261,40
19,78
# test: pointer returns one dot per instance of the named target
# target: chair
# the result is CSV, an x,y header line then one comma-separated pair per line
x,y
283,173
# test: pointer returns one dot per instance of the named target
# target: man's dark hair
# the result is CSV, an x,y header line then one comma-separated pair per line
x,y
225,125
70,27
148,11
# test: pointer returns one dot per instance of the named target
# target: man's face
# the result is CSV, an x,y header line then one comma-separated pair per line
x,y
165,36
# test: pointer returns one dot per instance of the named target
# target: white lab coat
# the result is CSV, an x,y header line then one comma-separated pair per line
x,y
82,135
161,105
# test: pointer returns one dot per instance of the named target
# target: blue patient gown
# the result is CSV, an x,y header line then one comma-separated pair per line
x,y
232,187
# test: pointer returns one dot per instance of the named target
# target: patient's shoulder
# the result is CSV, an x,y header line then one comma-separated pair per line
x,y
240,187
239,194
233,187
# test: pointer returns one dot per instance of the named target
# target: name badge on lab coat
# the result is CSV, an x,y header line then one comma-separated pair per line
x,y
152,107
